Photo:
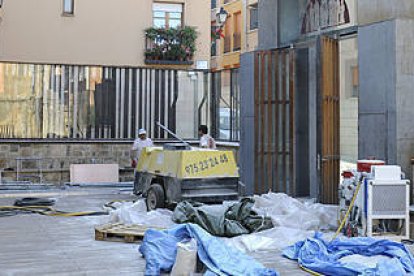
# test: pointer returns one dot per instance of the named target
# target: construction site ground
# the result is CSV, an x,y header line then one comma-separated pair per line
x,y
33,244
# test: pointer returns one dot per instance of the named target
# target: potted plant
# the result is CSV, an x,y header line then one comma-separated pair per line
x,y
188,41
151,33
148,54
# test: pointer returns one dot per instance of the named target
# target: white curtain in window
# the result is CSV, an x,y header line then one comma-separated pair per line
x,y
67,6
167,7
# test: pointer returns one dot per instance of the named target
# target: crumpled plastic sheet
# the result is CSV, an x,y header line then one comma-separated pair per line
x,y
339,256
235,220
268,240
294,221
160,249
136,213
289,212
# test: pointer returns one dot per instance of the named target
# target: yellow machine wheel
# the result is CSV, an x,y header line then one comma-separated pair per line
x,y
155,197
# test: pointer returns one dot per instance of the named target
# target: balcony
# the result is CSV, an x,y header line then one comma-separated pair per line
x,y
170,46
236,41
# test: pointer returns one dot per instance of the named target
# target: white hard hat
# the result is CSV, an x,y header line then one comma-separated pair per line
x,y
142,131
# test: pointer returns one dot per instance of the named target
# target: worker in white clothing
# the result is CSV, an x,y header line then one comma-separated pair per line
x,y
141,142
206,141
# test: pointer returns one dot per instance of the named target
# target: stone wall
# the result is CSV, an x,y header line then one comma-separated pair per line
x,y
56,157
372,11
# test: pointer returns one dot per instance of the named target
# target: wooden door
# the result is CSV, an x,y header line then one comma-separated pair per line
x,y
329,95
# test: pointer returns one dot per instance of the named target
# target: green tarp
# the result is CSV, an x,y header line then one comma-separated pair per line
x,y
223,221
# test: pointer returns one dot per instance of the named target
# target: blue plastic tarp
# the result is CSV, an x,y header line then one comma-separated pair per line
x,y
160,249
324,257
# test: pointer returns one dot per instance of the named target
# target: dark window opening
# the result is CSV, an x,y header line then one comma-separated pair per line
x,y
254,17
68,6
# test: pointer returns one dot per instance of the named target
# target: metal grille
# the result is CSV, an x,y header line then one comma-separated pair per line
x,y
95,102
274,121
388,199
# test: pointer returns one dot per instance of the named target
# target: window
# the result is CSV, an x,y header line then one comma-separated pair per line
x,y
68,6
228,32
213,4
254,17
237,31
213,39
355,81
167,15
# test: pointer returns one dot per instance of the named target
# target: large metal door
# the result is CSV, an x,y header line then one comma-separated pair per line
x,y
329,121
274,166
286,141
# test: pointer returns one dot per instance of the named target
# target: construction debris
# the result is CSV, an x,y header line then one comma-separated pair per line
x,y
42,206
136,213
121,233
234,220
332,258
34,201
160,249
101,185
293,220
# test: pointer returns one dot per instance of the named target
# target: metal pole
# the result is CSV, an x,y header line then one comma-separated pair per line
x,y
172,133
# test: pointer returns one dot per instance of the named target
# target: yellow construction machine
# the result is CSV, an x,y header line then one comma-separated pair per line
x,y
177,172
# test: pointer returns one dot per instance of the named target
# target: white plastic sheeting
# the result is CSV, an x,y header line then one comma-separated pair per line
x,y
293,220
268,240
136,213
289,212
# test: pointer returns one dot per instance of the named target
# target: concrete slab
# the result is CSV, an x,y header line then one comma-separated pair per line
x,y
41,245
94,173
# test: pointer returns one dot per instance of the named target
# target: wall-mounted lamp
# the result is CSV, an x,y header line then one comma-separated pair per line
x,y
221,17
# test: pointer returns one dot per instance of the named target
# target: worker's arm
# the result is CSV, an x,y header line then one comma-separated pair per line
x,y
134,150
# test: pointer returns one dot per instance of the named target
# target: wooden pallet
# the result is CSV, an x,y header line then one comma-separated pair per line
x,y
121,233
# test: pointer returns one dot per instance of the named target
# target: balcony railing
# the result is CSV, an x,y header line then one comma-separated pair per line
x,y
236,42
170,46
227,44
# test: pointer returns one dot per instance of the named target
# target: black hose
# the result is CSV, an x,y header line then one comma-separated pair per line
x,y
34,201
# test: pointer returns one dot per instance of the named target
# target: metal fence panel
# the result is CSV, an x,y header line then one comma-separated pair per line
x,y
93,102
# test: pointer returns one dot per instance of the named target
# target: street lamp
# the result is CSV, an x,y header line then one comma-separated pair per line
x,y
221,17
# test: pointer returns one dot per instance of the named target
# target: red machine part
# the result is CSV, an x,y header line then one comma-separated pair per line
x,y
347,174
365,165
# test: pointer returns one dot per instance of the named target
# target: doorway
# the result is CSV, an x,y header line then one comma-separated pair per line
x,y
297,120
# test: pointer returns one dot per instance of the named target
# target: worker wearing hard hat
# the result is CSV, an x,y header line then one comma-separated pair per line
x,y
141,142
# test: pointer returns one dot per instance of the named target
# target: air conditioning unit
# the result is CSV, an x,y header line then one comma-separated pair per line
x,y
374,201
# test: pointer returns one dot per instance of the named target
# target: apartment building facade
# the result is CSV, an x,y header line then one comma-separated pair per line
x,y
238,34
79,77
96,32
